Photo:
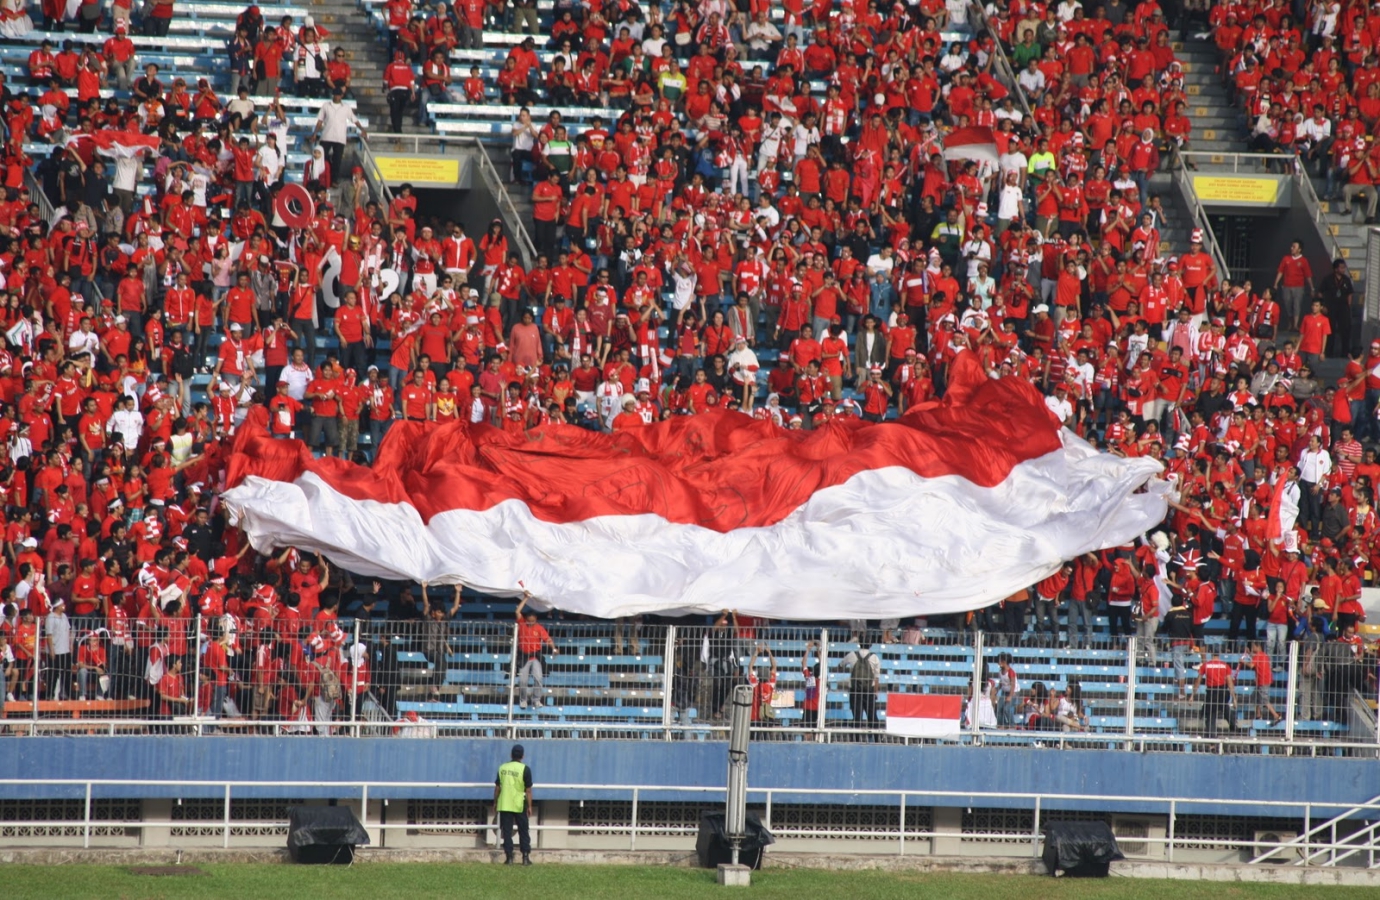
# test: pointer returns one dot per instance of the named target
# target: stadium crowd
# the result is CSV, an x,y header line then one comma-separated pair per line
x,y
760,215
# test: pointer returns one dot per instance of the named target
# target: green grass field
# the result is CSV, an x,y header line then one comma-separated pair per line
x,y
418,880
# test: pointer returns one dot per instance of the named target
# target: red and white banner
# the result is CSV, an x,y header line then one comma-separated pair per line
x,y
924,715
119,144
977,142
956,505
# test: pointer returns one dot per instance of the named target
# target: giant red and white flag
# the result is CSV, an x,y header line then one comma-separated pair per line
x,y
955,505
119,144
976,142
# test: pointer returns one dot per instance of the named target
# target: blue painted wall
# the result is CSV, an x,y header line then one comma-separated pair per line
x,y
772,765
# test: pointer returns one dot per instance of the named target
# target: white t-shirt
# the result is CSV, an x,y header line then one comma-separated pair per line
x,y
297,380
684,290
1060,407
1009,201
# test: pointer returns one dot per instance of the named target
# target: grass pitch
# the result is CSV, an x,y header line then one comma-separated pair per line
x,y
413,881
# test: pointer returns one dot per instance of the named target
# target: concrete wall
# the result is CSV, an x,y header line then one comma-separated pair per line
x,y
780,766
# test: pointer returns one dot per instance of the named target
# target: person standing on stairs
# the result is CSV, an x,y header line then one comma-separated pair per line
x,y
332,128
401,86
1294,283
1336,292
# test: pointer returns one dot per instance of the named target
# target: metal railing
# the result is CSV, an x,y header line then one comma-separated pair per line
x,y
439,143
1313,848
1179,172
1005,71
39,196
623,680
372,173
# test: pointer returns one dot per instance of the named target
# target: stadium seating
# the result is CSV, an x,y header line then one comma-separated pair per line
x,y
591,685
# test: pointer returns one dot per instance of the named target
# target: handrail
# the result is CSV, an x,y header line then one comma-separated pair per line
x,y
1315,209
1179,172
428,729
1305,836
39,196
905,798
1005,68
512,219
373,174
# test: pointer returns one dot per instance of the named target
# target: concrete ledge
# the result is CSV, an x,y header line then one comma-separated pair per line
x,y
1241,874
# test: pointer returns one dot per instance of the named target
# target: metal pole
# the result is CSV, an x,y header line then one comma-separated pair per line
x,y
822,687
735,812
36,682
226,820
512,678
1172,805
632,834
975,705
86,820
364,807
902,823
1293,691
196,676
1035,831
354,685
1131,651
668,664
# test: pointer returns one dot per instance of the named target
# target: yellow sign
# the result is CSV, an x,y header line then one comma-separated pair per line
x,y
428,169
1242,189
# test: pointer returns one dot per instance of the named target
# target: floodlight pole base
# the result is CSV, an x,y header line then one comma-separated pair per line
x,y
735,876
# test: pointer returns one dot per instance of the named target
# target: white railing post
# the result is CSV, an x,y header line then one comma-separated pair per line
x,y
1292,697
354,683
668,665
86,820
1035,830
902,823
1132,649
36,684
512,678
975,702
196,676
225,840
1172,810
822,683
632,834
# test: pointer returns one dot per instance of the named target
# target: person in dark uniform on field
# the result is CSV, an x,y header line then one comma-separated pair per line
x,y
513,802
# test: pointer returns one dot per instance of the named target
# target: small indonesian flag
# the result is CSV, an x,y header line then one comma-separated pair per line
x,y
924,715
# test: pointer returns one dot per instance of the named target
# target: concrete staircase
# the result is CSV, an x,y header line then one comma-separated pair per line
x,y
367,54
1346,236
1215,122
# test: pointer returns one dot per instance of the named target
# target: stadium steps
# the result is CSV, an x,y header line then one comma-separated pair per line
x,y
1217,123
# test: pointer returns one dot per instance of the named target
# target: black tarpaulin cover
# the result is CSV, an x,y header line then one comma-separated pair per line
x,y
324,833
1080,848
713,847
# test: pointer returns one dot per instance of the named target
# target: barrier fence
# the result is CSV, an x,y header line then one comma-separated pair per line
x,y
435,676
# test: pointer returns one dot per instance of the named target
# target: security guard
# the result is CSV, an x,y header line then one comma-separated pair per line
x,y
513,801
